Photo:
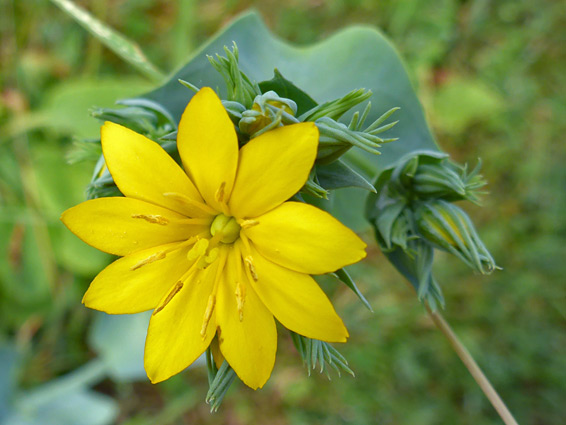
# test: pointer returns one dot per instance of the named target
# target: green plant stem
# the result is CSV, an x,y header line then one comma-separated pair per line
x,y
123,47
472,367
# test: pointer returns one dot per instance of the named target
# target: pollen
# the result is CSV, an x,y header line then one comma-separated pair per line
x,y
246,224
153,218
207,314
250,263
153,257
219,195
178,286
240,299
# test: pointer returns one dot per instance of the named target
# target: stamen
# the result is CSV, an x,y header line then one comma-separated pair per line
x,y
198,250
250,263
246,244
173,292
212,298
153,218
153,257
246,224
219,195
207,314
178,286
190,202
162,254
240,298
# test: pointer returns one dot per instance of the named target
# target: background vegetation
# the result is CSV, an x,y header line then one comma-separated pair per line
x,y
491,78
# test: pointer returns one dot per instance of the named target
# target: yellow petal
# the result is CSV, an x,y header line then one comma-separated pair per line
x,y
249,344
143,170
305,239
208,146
173,339
137,282
121,226
217,355
272,168
297,301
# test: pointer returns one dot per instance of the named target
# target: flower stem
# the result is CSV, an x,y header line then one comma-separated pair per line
x,y
472,367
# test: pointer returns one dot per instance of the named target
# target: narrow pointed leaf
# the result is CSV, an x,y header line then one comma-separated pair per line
x,y
126,49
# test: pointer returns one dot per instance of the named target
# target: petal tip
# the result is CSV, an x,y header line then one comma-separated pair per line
x,y
153,375
63,217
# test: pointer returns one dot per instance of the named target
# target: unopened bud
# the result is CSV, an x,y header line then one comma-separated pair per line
x,y
268,111
449,228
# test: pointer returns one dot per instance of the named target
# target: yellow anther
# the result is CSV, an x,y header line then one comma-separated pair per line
x,y
153,257
240,299
219,195
198,249
250,263
246,224
178,286
153,218
207,314
184,199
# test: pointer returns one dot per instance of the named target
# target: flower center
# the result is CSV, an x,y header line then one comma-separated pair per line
x,y
228,228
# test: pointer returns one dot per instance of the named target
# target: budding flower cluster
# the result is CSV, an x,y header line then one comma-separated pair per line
x,y
412,214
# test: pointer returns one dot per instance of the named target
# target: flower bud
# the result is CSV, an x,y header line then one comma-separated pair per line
x,y
449,228
268,111
437,181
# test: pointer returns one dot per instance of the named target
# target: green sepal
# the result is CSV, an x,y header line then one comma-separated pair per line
x,y
338,107
407,266
133,117
164,116
219,381
286,88
239,86
312,187
345,277
84,150
315,353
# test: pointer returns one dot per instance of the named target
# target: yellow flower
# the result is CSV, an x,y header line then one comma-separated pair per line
x,y
214,250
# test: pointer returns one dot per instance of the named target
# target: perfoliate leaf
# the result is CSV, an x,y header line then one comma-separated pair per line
x,y
338,175
286,88
351,59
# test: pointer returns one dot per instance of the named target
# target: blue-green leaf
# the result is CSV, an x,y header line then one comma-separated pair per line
x,y
354,58
286,88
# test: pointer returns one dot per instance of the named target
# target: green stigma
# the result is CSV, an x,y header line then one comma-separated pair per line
x,y
227,226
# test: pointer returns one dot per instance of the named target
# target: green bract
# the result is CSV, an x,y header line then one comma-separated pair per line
x,y
411,214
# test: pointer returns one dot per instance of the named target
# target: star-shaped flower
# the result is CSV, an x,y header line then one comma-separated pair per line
x,y
216,249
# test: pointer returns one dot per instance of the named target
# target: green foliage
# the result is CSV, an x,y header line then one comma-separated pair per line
x,y
119,44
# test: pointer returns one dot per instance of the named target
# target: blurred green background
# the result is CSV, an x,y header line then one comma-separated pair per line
x,y
491,76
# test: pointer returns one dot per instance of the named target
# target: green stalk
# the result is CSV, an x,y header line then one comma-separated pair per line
x,y
472,367
124,48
